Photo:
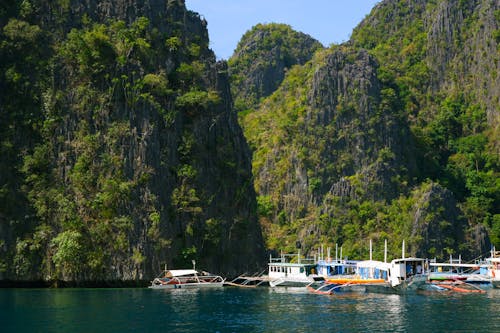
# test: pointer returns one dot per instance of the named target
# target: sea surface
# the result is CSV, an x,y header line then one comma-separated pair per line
x,y
232,309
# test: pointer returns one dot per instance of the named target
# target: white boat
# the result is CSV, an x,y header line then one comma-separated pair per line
x,y
359,275
292,271
408,274
400,275
186,278
493,266
455,272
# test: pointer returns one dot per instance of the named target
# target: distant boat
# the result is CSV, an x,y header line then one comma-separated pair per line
x,y
186,278
493,266
455,273
360,275
292,271
399,276
408,274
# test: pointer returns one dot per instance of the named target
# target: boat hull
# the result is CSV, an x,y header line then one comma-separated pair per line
x,y
410,286
187,285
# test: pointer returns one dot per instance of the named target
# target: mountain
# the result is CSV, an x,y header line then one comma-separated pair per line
x,y
392,135
122,151
261,59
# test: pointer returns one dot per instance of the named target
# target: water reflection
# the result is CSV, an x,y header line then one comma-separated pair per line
x,y
243,310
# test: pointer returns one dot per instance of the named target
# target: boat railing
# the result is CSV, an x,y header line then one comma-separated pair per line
x,y
292,258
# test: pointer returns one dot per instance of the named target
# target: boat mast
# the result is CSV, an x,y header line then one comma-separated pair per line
x,y
370,250
385,251
403,250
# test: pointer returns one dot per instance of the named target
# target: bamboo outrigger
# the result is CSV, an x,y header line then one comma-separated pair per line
x,y
243,281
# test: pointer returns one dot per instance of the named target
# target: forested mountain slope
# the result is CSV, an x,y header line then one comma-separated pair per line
x,y
262,57
392,135
120,149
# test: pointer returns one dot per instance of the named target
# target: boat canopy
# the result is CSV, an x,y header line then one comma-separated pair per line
x,y
180,272
374,264
403,260
444,264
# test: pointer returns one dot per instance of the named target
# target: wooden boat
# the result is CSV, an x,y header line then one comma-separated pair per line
x,y
455,271
186,278
399,276
493,267
408,274
367,273
292,271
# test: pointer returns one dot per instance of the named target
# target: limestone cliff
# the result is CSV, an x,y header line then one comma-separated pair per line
x,y
346,139
140,161
263,56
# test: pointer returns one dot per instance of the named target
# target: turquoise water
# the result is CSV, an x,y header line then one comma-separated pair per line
x,y
243,310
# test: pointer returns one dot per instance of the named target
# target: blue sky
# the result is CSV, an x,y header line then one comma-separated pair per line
x,y
329,21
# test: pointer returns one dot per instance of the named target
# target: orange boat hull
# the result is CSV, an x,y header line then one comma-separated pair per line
x,y
354,281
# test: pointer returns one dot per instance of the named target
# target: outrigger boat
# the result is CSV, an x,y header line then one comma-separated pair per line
x,y
408,274
399,276
367,273
186,278
292,271
364,273
469,276
493,266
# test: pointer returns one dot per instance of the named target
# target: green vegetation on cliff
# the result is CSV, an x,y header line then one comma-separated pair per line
x,y
122,151
393,135
262,57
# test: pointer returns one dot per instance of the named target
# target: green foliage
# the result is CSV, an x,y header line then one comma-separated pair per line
x,y
266,52
69,254
173,43
197,100
265,206
297,158
214,231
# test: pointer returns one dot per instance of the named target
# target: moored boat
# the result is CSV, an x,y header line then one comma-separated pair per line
x,y
367,273
493,267
457,273
186,278
408,274
292,271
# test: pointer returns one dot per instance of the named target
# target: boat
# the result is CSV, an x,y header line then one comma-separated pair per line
x,y
493,267
366,273
290,270
186,278
401,275
455,272
408,274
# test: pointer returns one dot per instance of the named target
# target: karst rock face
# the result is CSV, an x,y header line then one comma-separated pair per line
x,y
347,137
139,161
263,56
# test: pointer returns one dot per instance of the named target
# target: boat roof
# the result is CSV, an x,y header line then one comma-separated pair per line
x,y
337,262
290,264
374,264
438,264
180,272
407,259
